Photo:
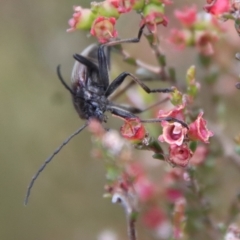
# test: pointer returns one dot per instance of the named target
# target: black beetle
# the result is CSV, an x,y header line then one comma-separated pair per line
x,y
90,90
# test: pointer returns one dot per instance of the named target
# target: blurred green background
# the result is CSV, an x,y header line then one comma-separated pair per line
x,y
36,116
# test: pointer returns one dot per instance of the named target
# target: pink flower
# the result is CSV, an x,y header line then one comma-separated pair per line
x,y
153,217
204,43
145,189
103,29
153,15
179,155
232,233
176,112
173,133
173,194
96,128
135,170
178,38
187,16
133,130
82,19
123,6
217,7
153,19
198,129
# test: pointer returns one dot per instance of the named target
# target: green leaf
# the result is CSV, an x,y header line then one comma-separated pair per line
x,y
158,156
193,146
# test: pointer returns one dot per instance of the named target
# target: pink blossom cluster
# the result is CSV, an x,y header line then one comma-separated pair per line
x,y
176,135
101,18
154,194
198,30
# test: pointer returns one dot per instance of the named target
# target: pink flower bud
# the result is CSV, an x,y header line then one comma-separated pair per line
x,y
179,155
187,16
103,29
198,129
82,19
173,133
133,130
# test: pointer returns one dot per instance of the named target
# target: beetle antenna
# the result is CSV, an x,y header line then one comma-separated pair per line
x,y
168,119
48,161
63,81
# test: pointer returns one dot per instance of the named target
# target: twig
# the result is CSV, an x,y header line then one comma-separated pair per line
x,y
129,202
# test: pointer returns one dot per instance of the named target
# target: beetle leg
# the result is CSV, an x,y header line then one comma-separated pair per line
x,y
120,111
130,109
124,113
103,67
102,59
128,40
168,119
86,62
118,81
136,110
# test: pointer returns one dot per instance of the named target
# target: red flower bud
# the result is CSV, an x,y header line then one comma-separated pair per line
x,y
179,155
133,130
103,29
198,129
173,133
